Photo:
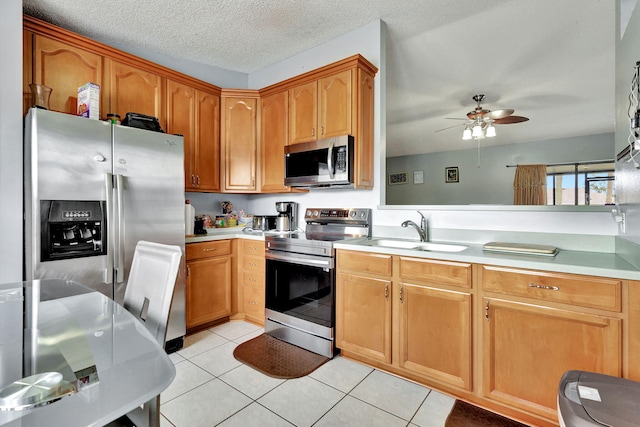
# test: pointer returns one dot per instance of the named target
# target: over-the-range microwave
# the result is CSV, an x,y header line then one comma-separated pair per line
x,y
320,164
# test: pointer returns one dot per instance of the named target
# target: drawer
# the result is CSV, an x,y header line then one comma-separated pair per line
x,y
252,247
253,279
439,272
584,291
253,302
252,263
364,262
208,249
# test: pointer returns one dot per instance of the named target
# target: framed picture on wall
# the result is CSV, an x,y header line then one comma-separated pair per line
x,y
451,174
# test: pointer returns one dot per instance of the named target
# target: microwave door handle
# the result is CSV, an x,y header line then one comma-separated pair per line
x,y
330,159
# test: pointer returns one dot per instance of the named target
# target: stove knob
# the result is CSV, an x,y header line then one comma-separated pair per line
x,y
362,214
316,213
353,214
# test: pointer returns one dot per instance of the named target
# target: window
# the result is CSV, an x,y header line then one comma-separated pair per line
x,y
581,184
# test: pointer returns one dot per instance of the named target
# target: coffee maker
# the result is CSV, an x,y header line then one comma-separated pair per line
x,y
287,219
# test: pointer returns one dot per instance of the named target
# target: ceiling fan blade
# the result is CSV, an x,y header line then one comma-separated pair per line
x,y
450,127
510,119
500,114
455,118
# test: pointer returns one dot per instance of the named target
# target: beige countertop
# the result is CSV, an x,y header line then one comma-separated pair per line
x,y
588,263
576,262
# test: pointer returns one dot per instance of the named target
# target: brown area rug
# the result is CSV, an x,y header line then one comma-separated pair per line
x,y
277,358
466,415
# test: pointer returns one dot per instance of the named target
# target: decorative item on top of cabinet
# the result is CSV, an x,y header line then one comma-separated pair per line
x,y
239,140
64,68
208,282
195,114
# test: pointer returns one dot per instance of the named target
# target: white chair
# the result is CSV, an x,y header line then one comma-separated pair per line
x,y
148,297
150,286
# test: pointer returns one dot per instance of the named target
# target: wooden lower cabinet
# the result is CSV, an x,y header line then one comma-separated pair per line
x,y
208,284
416,326
500,338
527,348
363,315
435,334
251,280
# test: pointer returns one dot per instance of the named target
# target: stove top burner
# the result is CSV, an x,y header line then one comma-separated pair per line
x,y
324,228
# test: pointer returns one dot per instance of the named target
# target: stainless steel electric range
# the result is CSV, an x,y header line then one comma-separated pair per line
x,y
300,277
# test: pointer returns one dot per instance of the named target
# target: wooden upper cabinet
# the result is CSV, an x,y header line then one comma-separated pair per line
x,y
207,156
195,114
27,70
239,141
303,113
131,89
181,119
363,130
65,68
274,137
335,105
321,109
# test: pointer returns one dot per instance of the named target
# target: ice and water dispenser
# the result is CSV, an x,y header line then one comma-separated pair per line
x,y
72,229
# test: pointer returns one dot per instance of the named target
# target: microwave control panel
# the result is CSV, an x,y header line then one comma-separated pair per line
x,y
341,160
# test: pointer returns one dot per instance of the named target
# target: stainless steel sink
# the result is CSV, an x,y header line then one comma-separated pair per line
x,y
415,245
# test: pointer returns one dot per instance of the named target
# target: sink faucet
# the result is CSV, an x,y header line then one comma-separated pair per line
x,y
422,229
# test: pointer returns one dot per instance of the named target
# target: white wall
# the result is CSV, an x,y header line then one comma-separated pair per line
x,y
11,141
483,176
627,175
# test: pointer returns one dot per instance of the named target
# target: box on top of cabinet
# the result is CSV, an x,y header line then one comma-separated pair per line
x,y
89,101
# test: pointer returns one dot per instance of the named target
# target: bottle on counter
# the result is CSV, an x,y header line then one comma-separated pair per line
x,y
189,218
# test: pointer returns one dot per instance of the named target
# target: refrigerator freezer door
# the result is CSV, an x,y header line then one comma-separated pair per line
x,y
66,158
149,205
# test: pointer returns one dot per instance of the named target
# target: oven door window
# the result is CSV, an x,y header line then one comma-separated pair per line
x,y
300,291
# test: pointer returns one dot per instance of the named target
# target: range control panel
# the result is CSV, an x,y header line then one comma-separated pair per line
x,y
350,215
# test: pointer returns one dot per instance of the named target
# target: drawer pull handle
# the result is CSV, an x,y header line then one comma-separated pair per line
x,y
208,249
551,288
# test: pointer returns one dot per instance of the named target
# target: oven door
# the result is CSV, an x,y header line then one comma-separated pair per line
x,y
300,291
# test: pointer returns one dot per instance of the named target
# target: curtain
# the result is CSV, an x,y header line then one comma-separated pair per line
x,y
530,185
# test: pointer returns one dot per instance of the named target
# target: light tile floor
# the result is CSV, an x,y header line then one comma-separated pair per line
x,y
212,388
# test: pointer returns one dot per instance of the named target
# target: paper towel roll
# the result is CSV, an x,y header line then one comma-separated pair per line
x,y
189,218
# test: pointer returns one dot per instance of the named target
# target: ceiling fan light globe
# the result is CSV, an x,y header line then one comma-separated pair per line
x,y
477,131
491,131
466,134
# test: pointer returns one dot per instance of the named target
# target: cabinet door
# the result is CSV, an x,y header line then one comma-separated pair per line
x,y
131,89
335,104
303,113
274,137
363,316
364,131
239,143
207,155
527,348
435,333
181,105
208,290
65,68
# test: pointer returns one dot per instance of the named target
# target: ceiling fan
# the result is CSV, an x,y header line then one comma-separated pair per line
x,y
480,120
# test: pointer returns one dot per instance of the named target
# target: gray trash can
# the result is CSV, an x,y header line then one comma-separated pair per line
x,y
587,399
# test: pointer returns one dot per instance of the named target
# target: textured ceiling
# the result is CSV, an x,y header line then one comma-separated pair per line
x,y
550,60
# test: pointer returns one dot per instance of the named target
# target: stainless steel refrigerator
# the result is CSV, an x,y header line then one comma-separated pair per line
x,y
92,191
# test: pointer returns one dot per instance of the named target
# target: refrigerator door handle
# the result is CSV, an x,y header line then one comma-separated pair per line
x,y
120,230
108,188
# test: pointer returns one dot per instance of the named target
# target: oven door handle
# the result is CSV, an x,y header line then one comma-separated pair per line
x,y
293,259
